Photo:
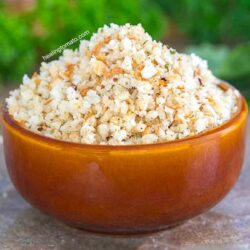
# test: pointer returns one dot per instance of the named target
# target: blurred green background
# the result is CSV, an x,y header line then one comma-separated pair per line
x,y
217,30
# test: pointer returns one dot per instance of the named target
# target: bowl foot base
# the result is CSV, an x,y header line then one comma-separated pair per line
x,y
123,232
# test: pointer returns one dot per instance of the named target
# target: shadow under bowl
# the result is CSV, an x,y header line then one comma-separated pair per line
x,y
125,189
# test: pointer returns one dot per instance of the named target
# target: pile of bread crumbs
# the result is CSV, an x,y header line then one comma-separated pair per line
x,y
122,87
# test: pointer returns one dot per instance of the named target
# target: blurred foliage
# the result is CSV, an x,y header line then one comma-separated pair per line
x,y
16,48
215,21
237,63
26,37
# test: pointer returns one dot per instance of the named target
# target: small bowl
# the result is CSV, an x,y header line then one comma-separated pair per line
x,y
125,189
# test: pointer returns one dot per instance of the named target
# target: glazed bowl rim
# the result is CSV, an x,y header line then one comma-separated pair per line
x,y
242,105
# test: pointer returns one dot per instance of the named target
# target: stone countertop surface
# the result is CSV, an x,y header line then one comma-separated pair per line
x,y
225,227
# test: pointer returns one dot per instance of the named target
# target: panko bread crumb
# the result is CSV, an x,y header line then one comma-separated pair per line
x,y
120,88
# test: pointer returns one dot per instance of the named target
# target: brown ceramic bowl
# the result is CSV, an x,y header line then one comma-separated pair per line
x,y
125,189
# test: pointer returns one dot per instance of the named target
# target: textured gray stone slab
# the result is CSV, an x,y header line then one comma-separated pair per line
x,y
225,227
